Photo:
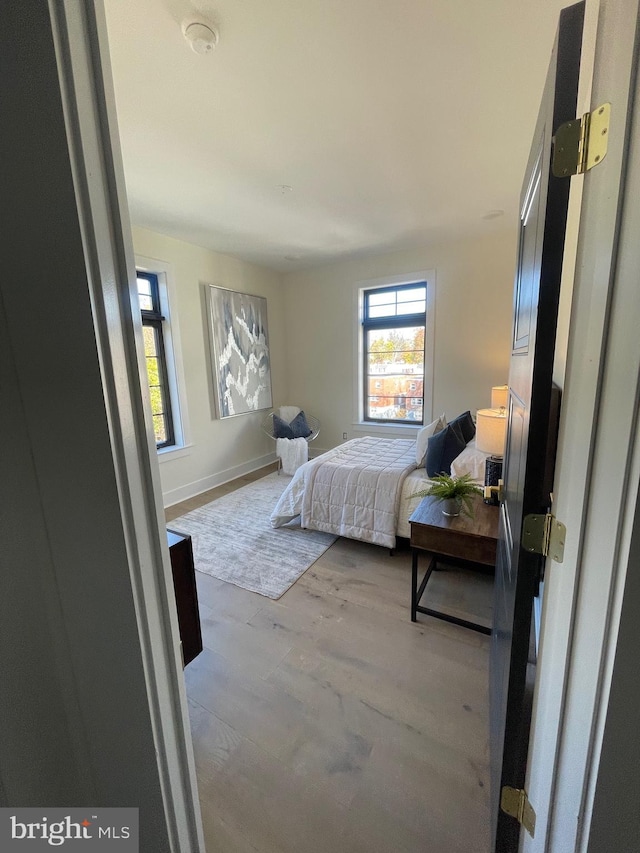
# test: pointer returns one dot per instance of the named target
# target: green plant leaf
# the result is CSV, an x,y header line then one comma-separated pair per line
x,y
443,486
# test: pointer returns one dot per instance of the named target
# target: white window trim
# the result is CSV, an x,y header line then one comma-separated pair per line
x,y
405,430
173,356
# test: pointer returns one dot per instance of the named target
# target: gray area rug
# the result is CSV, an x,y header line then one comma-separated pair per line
x,y
233,539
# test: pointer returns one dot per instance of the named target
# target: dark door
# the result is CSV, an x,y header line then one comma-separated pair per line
x,y
543,211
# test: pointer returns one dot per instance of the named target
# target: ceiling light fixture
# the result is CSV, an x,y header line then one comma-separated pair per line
x,y
202,38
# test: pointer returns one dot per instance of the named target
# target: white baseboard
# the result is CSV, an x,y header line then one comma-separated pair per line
x,y
190,490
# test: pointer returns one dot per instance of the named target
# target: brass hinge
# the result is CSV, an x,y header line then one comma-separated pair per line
x,y
580,144
544,534
514,802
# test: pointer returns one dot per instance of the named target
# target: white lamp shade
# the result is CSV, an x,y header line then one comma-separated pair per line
x,y
491,428
499,396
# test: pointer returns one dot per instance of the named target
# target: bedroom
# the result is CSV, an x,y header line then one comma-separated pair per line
x,y
312,300
240,270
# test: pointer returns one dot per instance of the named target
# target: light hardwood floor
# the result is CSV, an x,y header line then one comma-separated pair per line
x,y
327,722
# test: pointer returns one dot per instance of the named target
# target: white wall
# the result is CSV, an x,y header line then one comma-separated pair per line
x,y
218,450
474,286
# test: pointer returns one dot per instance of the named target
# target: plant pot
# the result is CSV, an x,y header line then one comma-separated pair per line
x,y
451,506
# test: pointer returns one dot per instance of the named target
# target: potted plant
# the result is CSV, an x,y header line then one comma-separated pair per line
x,y
456,493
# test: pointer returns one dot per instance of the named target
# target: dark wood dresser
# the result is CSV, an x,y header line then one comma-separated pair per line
x,y
184,584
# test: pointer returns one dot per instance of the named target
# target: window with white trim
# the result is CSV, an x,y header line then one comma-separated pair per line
x,y
155,358
161,338
394,325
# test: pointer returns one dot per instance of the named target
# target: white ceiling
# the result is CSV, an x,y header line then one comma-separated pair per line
x,y
396,122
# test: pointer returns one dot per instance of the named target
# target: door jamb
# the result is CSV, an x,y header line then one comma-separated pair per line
x,y
80,38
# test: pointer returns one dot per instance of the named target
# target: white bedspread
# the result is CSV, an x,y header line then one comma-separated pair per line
x,y
353,490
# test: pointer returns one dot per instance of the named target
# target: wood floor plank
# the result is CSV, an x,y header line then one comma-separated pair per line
x,y
225,600
304,615
272,809
218,836
402,807
253,707
259,650
326,581
444,805
456,717
213,740
322,750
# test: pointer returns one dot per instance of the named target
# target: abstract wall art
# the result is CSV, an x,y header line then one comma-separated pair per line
x,y
240,351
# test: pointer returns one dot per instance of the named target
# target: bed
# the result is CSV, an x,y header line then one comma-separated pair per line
x,y
362,489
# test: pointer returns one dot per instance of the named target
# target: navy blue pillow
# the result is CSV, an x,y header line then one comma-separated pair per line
x,y
281,429
300,427
466,425
442,449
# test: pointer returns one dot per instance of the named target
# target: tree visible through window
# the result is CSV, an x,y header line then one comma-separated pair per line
x,y
154,351
394,322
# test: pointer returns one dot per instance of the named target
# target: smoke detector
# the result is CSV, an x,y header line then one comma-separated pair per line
x,y
202,38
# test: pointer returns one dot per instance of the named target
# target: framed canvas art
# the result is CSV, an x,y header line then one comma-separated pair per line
x,y
239,351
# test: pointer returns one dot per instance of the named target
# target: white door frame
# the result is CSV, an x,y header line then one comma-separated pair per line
x,y
597,467
80,37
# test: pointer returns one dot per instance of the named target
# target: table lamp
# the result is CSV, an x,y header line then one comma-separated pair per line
x,y
491,429
499,396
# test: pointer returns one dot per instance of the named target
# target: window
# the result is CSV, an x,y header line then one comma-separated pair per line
x,y
155,357
394,322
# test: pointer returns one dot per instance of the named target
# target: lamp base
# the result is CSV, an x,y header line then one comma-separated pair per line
x,y
492,473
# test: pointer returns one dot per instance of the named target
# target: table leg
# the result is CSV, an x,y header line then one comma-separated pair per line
x,y
414,584
417,591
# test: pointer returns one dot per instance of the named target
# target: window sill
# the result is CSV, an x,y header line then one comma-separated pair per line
x,y
165,454
401,430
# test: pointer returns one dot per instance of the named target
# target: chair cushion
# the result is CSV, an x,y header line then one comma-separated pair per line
x,y
281,429
300,427
442,449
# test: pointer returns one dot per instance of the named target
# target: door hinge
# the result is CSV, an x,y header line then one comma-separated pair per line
x,y
514,802
544,534
580,144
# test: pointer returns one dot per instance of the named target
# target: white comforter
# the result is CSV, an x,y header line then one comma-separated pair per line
x,y
354,490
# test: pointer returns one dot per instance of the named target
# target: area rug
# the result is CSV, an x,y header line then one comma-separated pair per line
x,y
233,539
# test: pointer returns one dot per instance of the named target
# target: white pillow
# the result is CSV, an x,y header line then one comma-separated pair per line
x,y
470,461
423,436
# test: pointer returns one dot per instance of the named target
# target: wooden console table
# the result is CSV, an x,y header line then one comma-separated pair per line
x,y
472,540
